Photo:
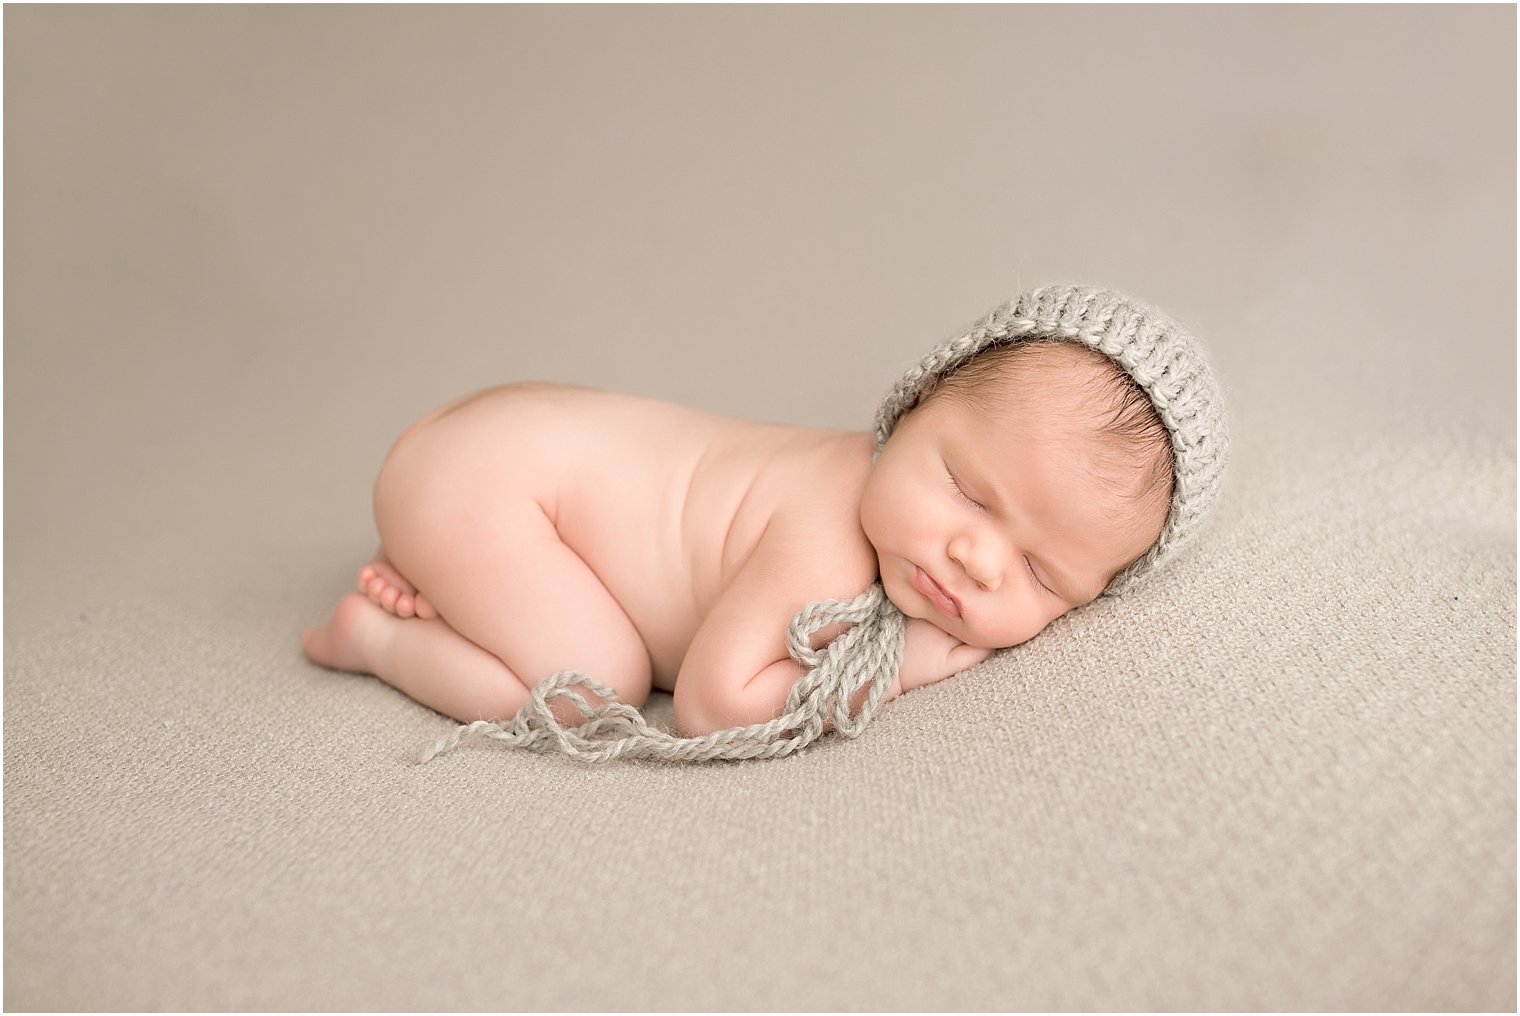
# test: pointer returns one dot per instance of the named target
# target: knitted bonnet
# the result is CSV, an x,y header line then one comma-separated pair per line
x,y
1151,348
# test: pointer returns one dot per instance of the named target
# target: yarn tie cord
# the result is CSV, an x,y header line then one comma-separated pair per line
x,y
869,652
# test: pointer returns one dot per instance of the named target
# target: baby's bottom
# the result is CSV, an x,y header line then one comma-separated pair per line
x,y
513,603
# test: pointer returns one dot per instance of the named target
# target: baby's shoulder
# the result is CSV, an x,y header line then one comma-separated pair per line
x,y
814,503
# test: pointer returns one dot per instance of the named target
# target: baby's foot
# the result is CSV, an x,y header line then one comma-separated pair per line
x,y
347,640
388,588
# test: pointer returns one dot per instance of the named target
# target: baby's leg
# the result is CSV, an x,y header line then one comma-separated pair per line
x,y
514,603
503,579
432,663
425,659
558,619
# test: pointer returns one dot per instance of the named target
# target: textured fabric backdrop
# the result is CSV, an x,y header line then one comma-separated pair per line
x,y
246,246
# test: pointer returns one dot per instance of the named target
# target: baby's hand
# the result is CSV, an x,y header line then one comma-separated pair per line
x,y
930,654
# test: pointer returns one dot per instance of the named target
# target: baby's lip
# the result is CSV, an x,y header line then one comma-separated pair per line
x,y
946,604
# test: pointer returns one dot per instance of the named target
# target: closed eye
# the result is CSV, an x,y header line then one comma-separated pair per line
x,y
955,485
1030,565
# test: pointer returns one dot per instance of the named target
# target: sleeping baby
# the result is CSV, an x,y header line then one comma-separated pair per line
x,y
1054,452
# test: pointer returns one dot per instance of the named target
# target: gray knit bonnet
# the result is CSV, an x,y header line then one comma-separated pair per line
x,y
1150,347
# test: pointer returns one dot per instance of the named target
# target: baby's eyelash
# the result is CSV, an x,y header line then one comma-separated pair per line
x,y
955,485
1030,565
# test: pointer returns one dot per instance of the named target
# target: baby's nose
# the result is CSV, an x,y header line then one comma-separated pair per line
x,y
978,561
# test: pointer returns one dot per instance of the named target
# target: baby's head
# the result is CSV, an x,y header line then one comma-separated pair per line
x,y
1055,452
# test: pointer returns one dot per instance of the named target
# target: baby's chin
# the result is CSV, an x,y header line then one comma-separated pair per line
x,y
908,611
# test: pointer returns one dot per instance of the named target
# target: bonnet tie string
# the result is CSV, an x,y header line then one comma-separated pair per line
x,y
870,653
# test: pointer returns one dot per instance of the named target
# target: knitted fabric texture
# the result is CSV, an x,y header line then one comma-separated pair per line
x,y
1150,347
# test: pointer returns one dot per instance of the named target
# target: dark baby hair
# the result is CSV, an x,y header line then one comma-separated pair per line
x,y
1135,444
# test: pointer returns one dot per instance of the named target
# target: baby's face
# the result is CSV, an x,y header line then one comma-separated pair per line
x,y
992,528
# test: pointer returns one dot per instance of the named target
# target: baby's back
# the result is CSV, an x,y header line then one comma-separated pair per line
x,y
664,504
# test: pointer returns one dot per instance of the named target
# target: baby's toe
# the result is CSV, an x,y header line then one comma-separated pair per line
x,y
382,595
425,610
406,606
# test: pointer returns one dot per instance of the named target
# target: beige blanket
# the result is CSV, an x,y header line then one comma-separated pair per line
x,y
246,246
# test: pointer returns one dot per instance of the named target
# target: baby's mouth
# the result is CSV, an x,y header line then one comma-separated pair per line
x,y
936,594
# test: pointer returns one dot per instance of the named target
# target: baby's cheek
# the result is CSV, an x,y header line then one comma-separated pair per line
x,y
1014,631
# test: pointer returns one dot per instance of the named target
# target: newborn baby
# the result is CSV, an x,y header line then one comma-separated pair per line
x,y
535,528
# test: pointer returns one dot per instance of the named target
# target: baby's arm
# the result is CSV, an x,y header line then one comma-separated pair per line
x,y
932,654
737,670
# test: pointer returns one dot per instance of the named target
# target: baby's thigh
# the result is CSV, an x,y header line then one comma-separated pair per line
x,y
492,563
